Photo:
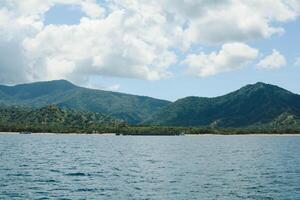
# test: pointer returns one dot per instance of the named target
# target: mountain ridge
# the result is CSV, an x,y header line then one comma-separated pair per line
x,y
64,94
252,104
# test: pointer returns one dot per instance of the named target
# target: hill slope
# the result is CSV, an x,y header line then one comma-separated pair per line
x,y
251,105
64,94
52,119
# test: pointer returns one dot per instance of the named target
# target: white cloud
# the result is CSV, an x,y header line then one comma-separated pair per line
x,y
115,87
274,61
124,44
92,9
232,56
231,20
128,38
119,45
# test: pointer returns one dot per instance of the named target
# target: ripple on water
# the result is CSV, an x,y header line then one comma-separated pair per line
x,y
90,167
20,175
77,174
47,181
87,190
43,198
54,170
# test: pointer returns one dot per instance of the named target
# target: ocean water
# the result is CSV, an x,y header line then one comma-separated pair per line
x,y
121,168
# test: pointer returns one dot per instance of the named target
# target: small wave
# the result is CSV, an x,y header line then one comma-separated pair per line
x,y
116,169
152,161
54,170
3,185
48,181
137,188
19,174
43,198
255,187
87,190
77,174
23,165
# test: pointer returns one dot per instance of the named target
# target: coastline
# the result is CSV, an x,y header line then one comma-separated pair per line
x,y
250,134
187,135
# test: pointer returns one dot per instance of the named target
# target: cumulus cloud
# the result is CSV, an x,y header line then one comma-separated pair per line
x,y
124,44
231,56
92,9
232,20
274,61
131,38
118,45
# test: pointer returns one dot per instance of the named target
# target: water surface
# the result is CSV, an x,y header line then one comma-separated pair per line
x,y
111,167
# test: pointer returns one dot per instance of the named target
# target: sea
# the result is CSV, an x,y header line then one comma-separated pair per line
x,y
59,166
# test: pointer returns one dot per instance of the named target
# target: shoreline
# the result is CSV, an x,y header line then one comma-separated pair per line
x,y
188,135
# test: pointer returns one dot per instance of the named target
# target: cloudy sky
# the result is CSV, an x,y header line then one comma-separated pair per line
x,y
166,49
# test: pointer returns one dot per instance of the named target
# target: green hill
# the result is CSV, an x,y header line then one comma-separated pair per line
x,y
258,105
52,119
64,94
253,105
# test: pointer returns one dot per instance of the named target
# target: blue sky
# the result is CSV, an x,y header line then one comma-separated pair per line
x,y
166,50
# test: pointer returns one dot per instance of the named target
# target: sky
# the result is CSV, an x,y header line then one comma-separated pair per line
x,y
167,49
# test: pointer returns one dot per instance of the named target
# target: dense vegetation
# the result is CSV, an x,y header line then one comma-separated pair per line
x,y
64,94
253,105
175,130
54,119
59,106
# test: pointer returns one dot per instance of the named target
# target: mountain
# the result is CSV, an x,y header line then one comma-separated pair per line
x,y
52,119
64,94
257,104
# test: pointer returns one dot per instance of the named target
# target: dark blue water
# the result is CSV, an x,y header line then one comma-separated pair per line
x,y
111,167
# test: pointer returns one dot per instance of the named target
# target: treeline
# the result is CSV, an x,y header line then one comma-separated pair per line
x,y
139,130
55,128
171,130
52,119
